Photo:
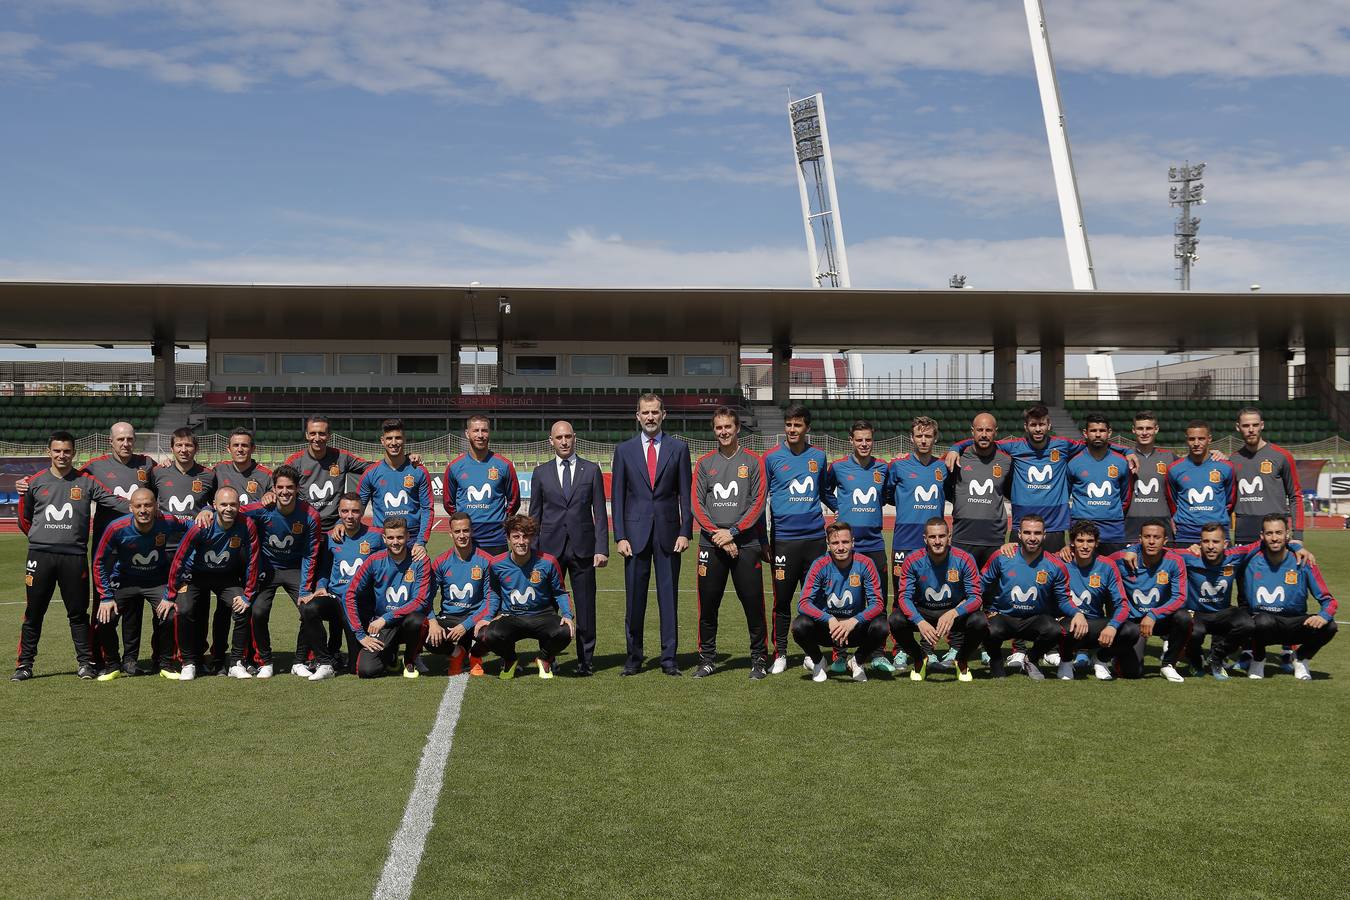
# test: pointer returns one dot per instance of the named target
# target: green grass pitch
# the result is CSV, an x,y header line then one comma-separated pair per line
x,y
656,787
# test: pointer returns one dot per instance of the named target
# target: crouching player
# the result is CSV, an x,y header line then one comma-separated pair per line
x,y
1210,579
387,605
527,600
1155,585
349,545
1020,594
221,558
1278,589
937,591
1096,614
461,574
841,605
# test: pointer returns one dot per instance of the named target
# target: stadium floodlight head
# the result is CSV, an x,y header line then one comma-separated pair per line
x,y
956,282
1187,189
820,201
504,305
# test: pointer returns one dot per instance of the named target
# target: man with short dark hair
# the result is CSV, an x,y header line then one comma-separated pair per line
x,y
396,486
1200,489
841,605
324,470
860,490
1096,614
1278,589
1021,593
1267,481
938,590
528,600
387,605
1100,485
344,552
1211,574
1149,500
1155,586
482,483
461,576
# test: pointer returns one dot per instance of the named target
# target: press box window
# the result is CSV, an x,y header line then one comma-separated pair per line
x,y
359,364
649,365
592,364
417,364
243,364
302,364
705,366
536,365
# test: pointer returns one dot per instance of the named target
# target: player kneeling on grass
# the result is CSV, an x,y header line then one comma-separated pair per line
x,y
1021,593
1096,614
387,604
1278,588
841,605
1155,586
527,600
938,590
461,574
131,568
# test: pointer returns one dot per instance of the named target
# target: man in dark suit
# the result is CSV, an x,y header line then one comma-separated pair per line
x,y
567,499
653,520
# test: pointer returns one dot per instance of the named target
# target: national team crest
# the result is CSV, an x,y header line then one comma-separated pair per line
x,y
939,473
364,548
1042,578
779,575
196,485
1094,580
702,571
1291,577
535,577
142,475
297,528
409,577
998,471
159,540
1214,476
812,466
954,575
854,580
1164,578
234,542
1161,468
743,472
1267,467
408,481
476,572
878,477
28,580
252,487
1054,456
1228,571
334,471
1113,471
493,474
76,494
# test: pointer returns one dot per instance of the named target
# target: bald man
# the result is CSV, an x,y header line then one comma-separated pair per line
x,y
977,488
567,499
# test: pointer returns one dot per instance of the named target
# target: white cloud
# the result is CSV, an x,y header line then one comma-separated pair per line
x,y
15,51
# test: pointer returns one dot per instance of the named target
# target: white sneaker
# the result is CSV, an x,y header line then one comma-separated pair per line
x,y
1102,672
238,671
1051,658
300,670
809,664
323,673
1257,669
857,671
1065,671
1015,660
1171,674
1301,670
187,673
821,671
779,665
264,671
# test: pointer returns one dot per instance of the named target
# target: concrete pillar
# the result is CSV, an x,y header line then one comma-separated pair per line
x,y
780,378
1273,373
1005,368
1052,365
1319,365
166,378
454,366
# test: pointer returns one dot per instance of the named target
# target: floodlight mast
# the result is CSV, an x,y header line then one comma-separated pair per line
x,y
815,182
1188,189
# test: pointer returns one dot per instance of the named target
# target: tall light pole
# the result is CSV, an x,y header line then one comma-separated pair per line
x,y
1187,188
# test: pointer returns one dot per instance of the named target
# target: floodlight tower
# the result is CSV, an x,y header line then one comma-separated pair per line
x,y
1187,189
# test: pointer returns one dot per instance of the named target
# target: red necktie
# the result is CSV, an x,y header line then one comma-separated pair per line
x,y
651,463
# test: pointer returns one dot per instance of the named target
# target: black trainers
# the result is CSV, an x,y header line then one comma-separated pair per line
x,y
21,674
129,668
758,671
703,670
87,672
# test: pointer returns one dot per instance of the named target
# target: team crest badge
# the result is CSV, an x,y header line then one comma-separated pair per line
x,y
895,570
1164,578
1214,476
1054,456
702,571
183,589
1113,471
953,575
1291,577
1161,468
252,487
334,471
743,472
364,548
998,471
408,481
493,474
878,477
1094,581
535,577
234,542
939,474
779,574
854,580
812,466
28,580
196,485
76,494
1267,467
1042,578
297,528
409,577
142,475
159,540
476,572
1228,571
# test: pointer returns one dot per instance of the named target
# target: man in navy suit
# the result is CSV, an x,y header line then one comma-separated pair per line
x,y
650,495
567,499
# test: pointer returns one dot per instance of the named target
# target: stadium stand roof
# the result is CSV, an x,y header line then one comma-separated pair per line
x,y
37,312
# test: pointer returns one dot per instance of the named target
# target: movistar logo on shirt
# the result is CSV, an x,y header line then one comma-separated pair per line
x,y
1023,596
396,596
982,487
1101,489
151,558
393,501
182,504
1083,598
348,569
940,596
1040,474
124,492
839,601
59,513
864,498
1267,597
277,542
1214,589
1146,488
805,485
726,491
478,494
1251,485
926,494
458,592
521,598
1146,599
1196,496
319,492
214,558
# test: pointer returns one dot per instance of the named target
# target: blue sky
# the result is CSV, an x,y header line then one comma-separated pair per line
x,y
646,144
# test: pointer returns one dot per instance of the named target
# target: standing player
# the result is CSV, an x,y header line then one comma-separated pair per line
x,y
241,471
324,470
915,485
290,534
387,604
184,486
1278,590
977,489
55,514
1155,585
342,557
1200,489
936,594
797,473
131,568
841,605
222,558
461,575
1267,481
528,600
1096,613
858,487
1149,500
728,501
1100,485
482,483
396,486
1210,578
1021,593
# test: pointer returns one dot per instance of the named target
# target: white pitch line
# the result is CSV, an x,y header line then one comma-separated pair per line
x,y
408,843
